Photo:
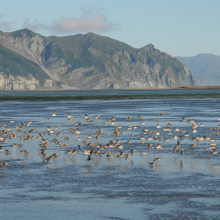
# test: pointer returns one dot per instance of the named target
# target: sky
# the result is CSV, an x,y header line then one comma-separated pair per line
x,y
177,27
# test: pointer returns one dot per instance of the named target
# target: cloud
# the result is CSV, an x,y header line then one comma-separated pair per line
x,y
5,25
90,20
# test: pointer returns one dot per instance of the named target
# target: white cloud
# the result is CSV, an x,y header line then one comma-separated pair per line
x,y
91,20
6,26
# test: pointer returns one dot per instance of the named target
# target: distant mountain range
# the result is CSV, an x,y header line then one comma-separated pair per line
x,y
30,61
205,68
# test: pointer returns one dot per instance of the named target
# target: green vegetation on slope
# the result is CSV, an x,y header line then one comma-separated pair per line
x,y
16,65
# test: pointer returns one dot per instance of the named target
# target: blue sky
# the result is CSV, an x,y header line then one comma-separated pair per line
x,y
177,27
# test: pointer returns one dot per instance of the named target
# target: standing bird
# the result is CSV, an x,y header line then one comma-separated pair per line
x,y
181,151
4,165
140,117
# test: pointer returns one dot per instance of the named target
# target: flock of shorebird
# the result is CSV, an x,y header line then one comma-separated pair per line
x,y
97,149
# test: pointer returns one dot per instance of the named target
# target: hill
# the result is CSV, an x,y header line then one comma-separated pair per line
x,y
205,68
89,61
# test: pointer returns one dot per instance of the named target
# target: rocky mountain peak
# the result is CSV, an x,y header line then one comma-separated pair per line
x,y
150,48
90,61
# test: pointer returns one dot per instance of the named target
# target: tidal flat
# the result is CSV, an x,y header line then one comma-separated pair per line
x,y
178,186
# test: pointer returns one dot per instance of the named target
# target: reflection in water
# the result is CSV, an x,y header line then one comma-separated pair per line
x,y
181,164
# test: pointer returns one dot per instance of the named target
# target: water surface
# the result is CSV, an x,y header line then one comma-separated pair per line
x,y
177,187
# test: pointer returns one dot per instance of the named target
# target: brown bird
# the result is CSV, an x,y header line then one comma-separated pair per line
x,y
43,153
150,146
156,159
131,136
26,152
181,151
4,165
55,155
49,158
121,154
132,151
127,156
140,117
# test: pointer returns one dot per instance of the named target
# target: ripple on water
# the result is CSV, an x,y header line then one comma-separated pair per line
x,y
178,186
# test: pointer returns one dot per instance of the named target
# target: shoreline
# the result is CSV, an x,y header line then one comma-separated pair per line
x,y
100,90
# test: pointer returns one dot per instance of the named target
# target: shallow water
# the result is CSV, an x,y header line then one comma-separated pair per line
x,y
177,187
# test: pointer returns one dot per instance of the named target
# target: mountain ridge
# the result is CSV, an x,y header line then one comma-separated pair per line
x,y
205,68
91,61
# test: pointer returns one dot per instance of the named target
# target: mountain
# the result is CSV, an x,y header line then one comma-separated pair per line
x,y
205,68
88,61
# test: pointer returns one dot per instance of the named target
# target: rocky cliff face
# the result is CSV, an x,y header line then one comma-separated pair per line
x,y
18,83
93,62
24,83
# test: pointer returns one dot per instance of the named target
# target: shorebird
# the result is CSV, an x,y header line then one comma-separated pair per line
x,y
159,146
150,146
131,136
49,158
181,151
43,153
183,119
127,156
156,159
121,154
73,152
4,165
86,152
214,151
96,117
132,151
144,153
162,113
175,137
109,155
158,126
25,151
69,116
46,119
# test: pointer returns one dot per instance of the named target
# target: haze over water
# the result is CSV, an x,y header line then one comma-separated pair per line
x,y
177,187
